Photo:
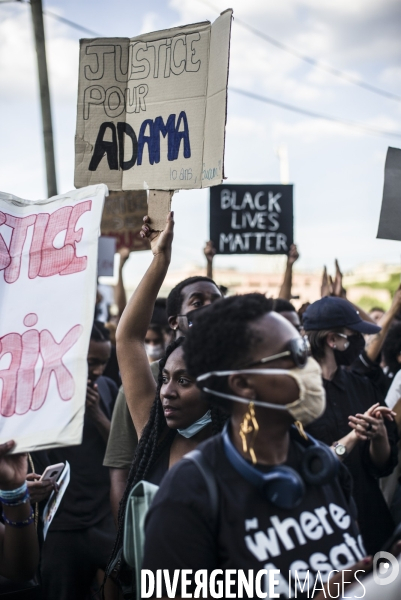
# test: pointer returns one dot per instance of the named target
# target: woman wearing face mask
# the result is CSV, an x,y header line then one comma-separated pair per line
x,y
359,428
154,343
283,499
169,416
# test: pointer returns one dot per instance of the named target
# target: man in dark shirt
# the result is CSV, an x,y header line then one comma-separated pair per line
x,y
81,535
335,332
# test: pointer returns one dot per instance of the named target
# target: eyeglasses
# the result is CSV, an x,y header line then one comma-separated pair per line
x,y
298,349
191,314
352,336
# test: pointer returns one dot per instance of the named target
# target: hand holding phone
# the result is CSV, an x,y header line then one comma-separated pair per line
x,y
52,473
39,490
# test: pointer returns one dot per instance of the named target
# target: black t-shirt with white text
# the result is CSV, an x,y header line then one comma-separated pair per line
x,y
250,533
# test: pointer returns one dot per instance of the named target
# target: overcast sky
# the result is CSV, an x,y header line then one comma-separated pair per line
x,y
337,171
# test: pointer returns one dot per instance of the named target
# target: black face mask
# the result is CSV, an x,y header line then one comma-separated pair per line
x,y
346,357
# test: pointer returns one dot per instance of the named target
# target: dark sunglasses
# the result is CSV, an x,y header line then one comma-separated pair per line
x,y
298,349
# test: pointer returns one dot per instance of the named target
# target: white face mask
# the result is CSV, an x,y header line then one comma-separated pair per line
x,y
154,351
311,403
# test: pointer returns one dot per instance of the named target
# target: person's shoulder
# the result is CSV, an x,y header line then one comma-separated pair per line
x,y
121,402
355,377
394,393
212,447
184,482
105,381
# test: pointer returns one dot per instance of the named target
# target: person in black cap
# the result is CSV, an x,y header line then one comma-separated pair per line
x,y
359,428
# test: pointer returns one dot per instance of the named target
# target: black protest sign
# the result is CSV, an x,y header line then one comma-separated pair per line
x,y
251,219
390,214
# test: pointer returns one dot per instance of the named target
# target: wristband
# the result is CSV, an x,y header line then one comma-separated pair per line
x,y
17,501
18,524
14,494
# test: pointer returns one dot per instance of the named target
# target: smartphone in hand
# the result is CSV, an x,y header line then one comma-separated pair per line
x,y
52,472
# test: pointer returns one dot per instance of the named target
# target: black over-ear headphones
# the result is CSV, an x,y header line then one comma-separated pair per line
x,y
283,486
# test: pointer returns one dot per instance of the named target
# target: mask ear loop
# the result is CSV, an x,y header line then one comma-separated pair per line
x,y
249,425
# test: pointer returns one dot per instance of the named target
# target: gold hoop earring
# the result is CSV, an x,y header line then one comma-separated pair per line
x,y
249,426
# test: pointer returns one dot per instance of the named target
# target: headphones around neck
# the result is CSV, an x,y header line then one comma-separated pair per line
x,y
283,486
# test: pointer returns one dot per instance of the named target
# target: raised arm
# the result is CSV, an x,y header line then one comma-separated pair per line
x,y
119,291
209,251
376,341
285,290
138,381
338,290
19,548
326,288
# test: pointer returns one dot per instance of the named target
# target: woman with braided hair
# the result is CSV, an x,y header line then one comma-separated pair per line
x,y
170,417
138,380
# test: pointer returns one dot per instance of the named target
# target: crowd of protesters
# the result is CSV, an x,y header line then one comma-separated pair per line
x,y
290,420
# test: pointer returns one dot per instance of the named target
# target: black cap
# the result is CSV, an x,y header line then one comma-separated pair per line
x,y
331,312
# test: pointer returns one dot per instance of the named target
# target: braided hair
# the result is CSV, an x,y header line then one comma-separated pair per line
x,y
156,437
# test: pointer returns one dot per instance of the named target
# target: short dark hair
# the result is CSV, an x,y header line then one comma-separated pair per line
x,y
221,338
99,332
174,299
281,305
317,340
392,348
379,308
158,329
159,316
302,310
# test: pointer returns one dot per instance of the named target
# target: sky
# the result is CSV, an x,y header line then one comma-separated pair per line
x,y
337,171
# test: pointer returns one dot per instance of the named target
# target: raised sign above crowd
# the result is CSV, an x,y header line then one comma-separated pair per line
x,y
48,268
251,219
152,109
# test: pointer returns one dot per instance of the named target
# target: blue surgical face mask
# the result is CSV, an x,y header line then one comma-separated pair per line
x,y
197,426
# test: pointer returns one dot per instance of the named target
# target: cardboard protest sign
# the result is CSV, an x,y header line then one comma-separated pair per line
x,y
105,256
251,219
48,265
122,219
390,214
159,206
152,109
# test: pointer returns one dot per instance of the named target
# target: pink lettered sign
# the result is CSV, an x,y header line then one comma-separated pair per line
x,y
48,270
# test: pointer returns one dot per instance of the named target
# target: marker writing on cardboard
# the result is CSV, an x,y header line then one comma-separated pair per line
x,y
160,57
45,259
149,135
20,392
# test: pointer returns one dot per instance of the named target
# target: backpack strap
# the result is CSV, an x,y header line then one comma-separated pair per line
x,y
204,467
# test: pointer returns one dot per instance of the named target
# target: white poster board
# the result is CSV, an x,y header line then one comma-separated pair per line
x,y
48,265
151,110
